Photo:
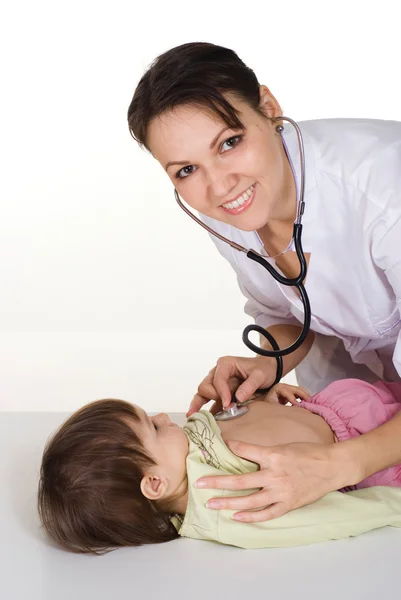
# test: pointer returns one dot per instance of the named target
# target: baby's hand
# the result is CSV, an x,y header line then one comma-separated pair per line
x,y
283,393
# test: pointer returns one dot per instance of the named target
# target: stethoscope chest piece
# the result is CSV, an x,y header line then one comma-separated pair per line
x,y
232,412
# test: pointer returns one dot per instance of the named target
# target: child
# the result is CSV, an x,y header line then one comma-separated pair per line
x,y
111,476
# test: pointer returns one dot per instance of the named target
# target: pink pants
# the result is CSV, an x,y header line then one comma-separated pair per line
x,y
352,407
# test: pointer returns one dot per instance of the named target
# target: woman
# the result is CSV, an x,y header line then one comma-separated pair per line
x,y
203,115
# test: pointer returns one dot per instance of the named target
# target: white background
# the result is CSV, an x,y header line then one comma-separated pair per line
x,y
107,289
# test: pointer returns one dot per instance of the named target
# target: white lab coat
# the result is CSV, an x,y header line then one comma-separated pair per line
x,y
352,228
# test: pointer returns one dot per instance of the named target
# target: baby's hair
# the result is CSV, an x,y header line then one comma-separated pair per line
x,y
89,496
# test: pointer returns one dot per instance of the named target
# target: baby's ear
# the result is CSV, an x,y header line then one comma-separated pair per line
x,y
154,487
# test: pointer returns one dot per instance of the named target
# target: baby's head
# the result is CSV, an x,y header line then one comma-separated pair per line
x,y
111,476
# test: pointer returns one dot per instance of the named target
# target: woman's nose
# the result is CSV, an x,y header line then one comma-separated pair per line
x,y
221,183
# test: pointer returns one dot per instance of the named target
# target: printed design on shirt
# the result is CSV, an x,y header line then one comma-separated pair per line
x,y
203,437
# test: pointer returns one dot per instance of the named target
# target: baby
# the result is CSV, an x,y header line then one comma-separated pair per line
x,y
112,476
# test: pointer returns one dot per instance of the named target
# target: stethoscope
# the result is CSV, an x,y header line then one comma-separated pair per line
x,y
234,411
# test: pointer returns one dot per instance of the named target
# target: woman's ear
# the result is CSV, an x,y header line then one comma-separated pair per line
x,y
154,487
268,104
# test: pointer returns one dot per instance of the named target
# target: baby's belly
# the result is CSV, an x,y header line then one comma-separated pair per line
x,y
271,424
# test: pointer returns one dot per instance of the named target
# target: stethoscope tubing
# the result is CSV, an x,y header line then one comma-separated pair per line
x,y
296,282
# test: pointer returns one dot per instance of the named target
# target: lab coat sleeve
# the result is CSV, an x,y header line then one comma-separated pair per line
x,y
265,313
387,256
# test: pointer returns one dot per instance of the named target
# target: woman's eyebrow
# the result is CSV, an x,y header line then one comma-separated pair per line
x,y
187,162
214,140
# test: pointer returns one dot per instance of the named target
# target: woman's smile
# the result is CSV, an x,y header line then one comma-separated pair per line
x,y
242,202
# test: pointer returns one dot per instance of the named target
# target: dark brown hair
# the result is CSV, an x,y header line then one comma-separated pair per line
x,y
89,496
199,74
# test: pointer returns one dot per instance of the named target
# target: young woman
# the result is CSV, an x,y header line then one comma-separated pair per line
x,y
217,132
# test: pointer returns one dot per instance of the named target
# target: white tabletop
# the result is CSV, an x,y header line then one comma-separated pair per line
x,y
31,568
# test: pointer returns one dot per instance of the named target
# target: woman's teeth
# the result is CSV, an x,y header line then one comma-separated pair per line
x,y
241,200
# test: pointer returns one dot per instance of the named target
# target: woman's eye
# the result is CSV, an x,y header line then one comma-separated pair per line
x,y
231,142
185,171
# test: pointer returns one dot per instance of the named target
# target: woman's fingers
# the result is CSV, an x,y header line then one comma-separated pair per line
x,y
253,501
290,393
206,392
258,516
226,369
246,481
260,373
231,373
288,396
253,452
303,393
216,407
196,404
290,476
295,395
254,508
206,388
254,381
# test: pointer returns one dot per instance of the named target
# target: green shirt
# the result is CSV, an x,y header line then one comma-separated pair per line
x,y
335,516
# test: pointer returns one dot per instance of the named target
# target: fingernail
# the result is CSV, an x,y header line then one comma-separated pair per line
x,y
200,484
212,504
237,517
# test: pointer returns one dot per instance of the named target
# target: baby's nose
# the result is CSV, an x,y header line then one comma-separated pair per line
x,y
164,417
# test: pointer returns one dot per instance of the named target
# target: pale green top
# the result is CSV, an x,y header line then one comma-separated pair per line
x,y
335,516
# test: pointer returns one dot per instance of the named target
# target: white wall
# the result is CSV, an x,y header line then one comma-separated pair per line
x,y
96,299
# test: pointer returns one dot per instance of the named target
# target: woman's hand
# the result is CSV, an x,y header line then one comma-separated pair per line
x,y
233,374
290,476
284,393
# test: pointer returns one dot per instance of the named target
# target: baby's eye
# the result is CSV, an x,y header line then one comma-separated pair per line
x,y
185,171
155,426
231,142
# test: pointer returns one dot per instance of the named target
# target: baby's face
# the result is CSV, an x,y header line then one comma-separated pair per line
x,y
166,443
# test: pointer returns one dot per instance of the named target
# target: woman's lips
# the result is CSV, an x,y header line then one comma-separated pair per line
x,y
240,209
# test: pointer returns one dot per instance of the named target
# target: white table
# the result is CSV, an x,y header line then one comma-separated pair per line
x,y
367,567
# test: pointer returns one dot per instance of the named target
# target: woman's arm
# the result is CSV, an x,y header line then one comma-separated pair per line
x,y
374,451
246,375
285,335
293,475
296,474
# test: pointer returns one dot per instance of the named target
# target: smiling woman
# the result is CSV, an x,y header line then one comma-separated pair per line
x,y
226,166
222,139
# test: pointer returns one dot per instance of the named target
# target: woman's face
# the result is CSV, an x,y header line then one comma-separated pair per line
x,y
240,177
